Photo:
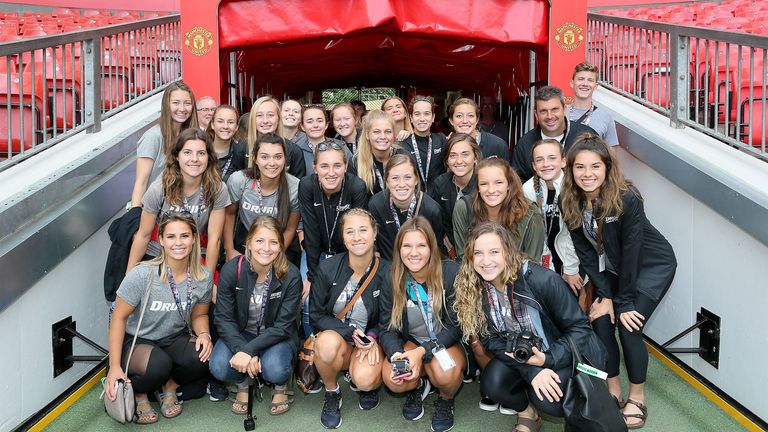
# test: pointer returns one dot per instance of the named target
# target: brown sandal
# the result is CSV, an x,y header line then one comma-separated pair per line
x,y
531,424
277,408
240,407
642,416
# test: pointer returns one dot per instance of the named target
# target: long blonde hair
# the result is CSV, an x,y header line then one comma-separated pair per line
x,y
609,198
364,156
253,128
280,264
195,262
469,286
434,279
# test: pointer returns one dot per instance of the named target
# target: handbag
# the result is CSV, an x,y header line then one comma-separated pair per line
x,y
123,407
587,403
307,375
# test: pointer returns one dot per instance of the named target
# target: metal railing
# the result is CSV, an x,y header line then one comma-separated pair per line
x,y
711,80
53,87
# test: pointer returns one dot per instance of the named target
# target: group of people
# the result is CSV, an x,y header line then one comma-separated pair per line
x,y
415,259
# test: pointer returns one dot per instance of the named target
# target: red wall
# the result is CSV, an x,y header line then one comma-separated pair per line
x,y
148,5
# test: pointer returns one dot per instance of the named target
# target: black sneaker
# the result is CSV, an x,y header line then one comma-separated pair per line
x,y
348,378
413,409
442,419
470,375
217,391
487,404
369,399
331,415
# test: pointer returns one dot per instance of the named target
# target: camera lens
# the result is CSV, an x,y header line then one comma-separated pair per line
x,y
522,355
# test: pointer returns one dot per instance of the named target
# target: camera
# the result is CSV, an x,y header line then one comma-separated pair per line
x,y
521,345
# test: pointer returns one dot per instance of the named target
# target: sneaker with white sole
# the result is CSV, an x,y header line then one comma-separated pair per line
x,y
413,409
507,411
217,391
330,417
487,404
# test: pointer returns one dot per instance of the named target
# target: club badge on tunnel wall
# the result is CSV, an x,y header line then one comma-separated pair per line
x,y
198,40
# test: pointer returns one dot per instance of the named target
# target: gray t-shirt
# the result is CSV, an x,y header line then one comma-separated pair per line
x,y
417,328
600,120
254,310
359,316
151,146
161,317
154,202
243,190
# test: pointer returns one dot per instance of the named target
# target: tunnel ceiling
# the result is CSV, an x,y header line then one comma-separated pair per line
x,y
300,45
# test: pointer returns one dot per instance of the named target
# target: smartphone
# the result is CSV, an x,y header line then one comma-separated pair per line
x,y
401,368
364,340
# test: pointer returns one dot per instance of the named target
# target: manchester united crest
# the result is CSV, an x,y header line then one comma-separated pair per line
x,y
569,36
198,41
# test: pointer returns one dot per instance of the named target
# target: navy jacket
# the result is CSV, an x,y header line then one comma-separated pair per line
x,y
121,232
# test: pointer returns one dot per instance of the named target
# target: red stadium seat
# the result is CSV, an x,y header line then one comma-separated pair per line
x,y
115,77
60,85
64,11
26,119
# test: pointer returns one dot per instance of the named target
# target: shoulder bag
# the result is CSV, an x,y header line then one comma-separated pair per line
x,y
123,407
307,375
587,404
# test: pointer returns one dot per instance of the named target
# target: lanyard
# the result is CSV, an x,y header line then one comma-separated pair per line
x,y
257,187
175,291
231,156
264,299
188,208
325,216
379,177
411,209
425,309
349,292
585,118
551,223
423,171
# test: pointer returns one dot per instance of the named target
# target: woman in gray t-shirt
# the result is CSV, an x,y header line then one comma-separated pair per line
x,y
173,342
176,114
191,184
264,189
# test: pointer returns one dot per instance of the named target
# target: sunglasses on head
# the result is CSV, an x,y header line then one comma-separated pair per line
x,y
329,145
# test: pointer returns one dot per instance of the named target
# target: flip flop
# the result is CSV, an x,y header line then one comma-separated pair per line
x,y
643,416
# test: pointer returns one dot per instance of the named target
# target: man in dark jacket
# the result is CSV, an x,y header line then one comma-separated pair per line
x,y
552,123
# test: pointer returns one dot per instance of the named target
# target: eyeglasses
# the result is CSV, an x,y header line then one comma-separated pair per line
x,y
206,109
329,145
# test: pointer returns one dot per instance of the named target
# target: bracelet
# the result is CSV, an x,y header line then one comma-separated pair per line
x,y
204,333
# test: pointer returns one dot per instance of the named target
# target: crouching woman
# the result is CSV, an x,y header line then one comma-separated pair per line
x,y
501,296
255,316
173,343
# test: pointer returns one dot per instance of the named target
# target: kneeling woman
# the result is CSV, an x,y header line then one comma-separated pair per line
x,y
345,309
419,325
631,265
173,343
499,296
256,316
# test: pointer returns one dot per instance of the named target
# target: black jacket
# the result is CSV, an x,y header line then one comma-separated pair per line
x,y
121,232
546,292
436,163
392,340
380,209
643,258
232,301
522,162
311,199
491,145
443,191
330,280
234,161
378,166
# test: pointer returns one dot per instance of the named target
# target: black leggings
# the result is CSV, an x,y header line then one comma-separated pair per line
x,y
153,362
504,385
632,344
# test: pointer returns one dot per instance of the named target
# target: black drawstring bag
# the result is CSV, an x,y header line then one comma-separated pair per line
x,y
587,403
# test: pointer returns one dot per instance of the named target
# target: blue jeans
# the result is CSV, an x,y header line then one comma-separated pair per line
x,y
276,363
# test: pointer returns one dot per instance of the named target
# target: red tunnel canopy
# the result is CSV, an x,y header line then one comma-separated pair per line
x,y
300,45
